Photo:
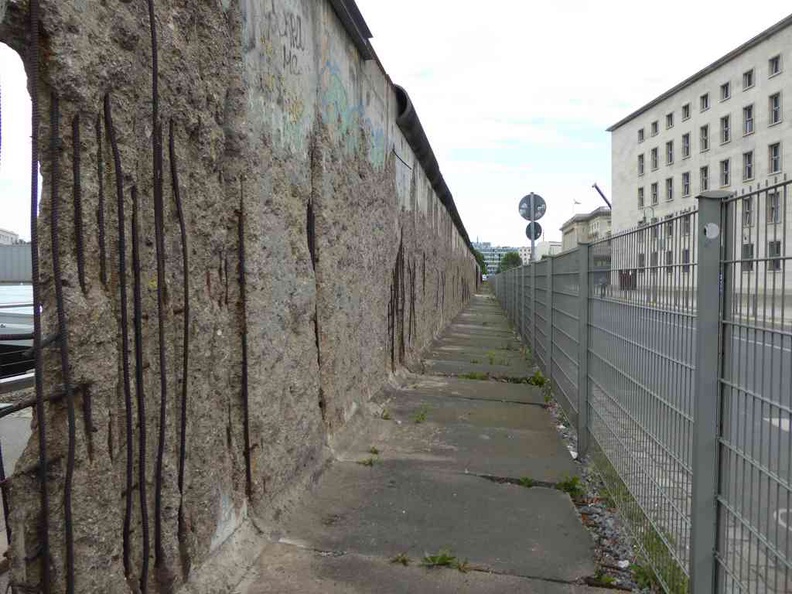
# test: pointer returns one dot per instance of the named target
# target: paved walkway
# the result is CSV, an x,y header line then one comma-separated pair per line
x,y
435,467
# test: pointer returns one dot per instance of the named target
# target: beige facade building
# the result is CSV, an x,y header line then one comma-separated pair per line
x,y
727,127
586,228
8,237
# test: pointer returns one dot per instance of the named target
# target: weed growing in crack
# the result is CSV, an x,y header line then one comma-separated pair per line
x,y
420,415
385,415
475,375
463,566
370,461
401,558
527,482
443,558
572,486
374,451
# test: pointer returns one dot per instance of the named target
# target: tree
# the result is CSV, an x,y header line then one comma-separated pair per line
x,y
509,260
480,259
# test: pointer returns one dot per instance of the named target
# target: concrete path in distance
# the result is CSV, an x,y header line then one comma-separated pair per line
x,y
434,467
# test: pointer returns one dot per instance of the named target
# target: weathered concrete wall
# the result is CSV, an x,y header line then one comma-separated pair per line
x,y
351,265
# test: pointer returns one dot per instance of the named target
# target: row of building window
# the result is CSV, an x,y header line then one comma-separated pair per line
x,y
748,81
725,175
773,261
704,134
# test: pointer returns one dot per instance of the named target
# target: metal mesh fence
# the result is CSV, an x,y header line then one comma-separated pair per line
x,y
640,317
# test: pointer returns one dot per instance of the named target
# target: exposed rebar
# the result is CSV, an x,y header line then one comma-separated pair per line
x,y
33,70
243,300
139,390
100,220
63,342
77,197
111,134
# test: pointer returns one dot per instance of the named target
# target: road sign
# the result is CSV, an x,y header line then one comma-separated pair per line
x,y
533,231
539,207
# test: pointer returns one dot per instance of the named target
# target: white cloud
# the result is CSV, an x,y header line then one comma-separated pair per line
x,y
539,82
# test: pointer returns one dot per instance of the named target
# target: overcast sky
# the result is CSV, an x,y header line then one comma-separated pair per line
x,y
515,95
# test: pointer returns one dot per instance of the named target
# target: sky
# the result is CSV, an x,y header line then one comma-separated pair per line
x,y
515,95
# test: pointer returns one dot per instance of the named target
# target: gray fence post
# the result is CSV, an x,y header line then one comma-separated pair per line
x,y
549,312
532,268
704,529
583,332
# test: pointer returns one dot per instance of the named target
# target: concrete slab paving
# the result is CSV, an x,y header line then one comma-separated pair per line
x,y
482,390
519,370
287,569
396,507
475,355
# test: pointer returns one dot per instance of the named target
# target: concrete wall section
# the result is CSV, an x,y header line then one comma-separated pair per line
x,y
351,264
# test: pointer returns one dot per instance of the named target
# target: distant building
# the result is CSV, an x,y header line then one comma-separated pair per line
x,y
723,128
8,237
492,255
586,228
543,248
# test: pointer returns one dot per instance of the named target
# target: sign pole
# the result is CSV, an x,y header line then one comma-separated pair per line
x,y
533,218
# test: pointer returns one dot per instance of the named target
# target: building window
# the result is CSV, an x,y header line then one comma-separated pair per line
x,y
654,158
774,157
704,138
725,129
655,128
686,225
774,253
686,184
774,65
686,145
653,191
686,111
641,135
773,208
669,120
641,262
669,226
669,152
669,260
747,212
748,79
725,91
748,119
704,178
704,102
725,172
775,108
686,260
670,188
748,166
640,164
640,197
747,257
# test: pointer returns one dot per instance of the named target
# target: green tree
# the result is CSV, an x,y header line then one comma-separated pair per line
x,y
509,260
480,259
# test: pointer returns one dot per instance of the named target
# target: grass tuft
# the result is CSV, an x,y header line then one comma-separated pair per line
x,y
572,486
402,559
475,375
443,558
527,482
420,415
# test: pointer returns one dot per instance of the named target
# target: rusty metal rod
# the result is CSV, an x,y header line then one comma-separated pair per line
x,y
64,343
4,490
139,391
33,70
100,221
119,182
186,326
77,198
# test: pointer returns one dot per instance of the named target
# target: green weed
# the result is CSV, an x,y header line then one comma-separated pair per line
x,y
368,462
374,451
572,486
421,413
401,558
527,482
443,558
385,415
475,375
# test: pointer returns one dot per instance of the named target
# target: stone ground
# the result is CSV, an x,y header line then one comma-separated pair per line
x,y
433,468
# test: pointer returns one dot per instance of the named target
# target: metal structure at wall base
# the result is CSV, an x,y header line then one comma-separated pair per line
x,y
669,347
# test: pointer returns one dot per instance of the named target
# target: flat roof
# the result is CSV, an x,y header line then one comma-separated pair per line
x,y
782,24
587,216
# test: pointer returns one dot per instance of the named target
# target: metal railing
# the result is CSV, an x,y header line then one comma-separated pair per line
x,y
669,347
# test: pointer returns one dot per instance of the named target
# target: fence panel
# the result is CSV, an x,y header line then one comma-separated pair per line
x,y
755,495
541,315
565,331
